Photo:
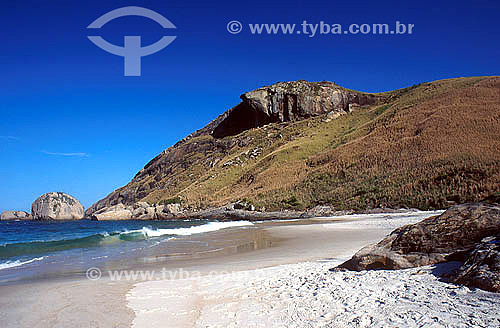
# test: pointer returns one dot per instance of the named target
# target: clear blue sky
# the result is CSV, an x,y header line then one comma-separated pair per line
x,y
70,121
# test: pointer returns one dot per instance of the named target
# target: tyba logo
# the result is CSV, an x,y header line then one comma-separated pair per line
x,y
132,51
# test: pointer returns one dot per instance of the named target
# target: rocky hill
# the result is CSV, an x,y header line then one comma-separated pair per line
x,y
296,145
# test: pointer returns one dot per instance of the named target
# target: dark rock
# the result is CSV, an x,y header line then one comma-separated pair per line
x,y
289,101
434,240
240,205
482,266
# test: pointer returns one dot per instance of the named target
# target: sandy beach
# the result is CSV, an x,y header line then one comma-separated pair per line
x,y
278,277
291,286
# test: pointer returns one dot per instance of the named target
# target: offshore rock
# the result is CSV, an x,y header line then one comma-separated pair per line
x,y
15,215
56,206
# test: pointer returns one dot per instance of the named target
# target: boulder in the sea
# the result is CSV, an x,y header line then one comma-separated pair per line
x,y
15,215
450,235
56,206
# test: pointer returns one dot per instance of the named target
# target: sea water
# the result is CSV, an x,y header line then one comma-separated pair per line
x,y
42,248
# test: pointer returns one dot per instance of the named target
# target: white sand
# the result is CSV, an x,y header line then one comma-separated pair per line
x,y
307,294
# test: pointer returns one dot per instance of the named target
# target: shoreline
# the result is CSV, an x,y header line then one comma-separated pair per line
x,y
291,242
224,214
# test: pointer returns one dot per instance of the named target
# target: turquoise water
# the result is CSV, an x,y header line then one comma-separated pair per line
x,y
40,248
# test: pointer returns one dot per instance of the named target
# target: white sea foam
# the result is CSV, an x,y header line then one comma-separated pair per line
x,y
211,226
12,264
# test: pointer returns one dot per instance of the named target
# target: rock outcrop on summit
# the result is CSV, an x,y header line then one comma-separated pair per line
x,y
286,102
56,206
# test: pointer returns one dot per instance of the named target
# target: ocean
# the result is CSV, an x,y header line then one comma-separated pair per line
x,y
39,249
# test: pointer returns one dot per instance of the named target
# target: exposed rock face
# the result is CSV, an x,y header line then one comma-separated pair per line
x,y
323,210
178,157
15,215
56,206
289,101
482,266
434,240
138,211
116,212
172,209
144,211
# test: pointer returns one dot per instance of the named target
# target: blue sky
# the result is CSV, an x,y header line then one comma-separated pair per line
x,y
70,121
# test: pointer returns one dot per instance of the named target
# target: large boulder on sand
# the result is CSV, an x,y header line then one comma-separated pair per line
x,y
434,240
56,206
469,233
15,215
482,266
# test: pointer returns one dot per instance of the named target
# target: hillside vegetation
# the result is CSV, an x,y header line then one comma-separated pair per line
x,y
427,146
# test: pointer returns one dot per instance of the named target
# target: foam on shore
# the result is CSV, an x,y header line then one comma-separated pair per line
x,y
209,227
13,264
